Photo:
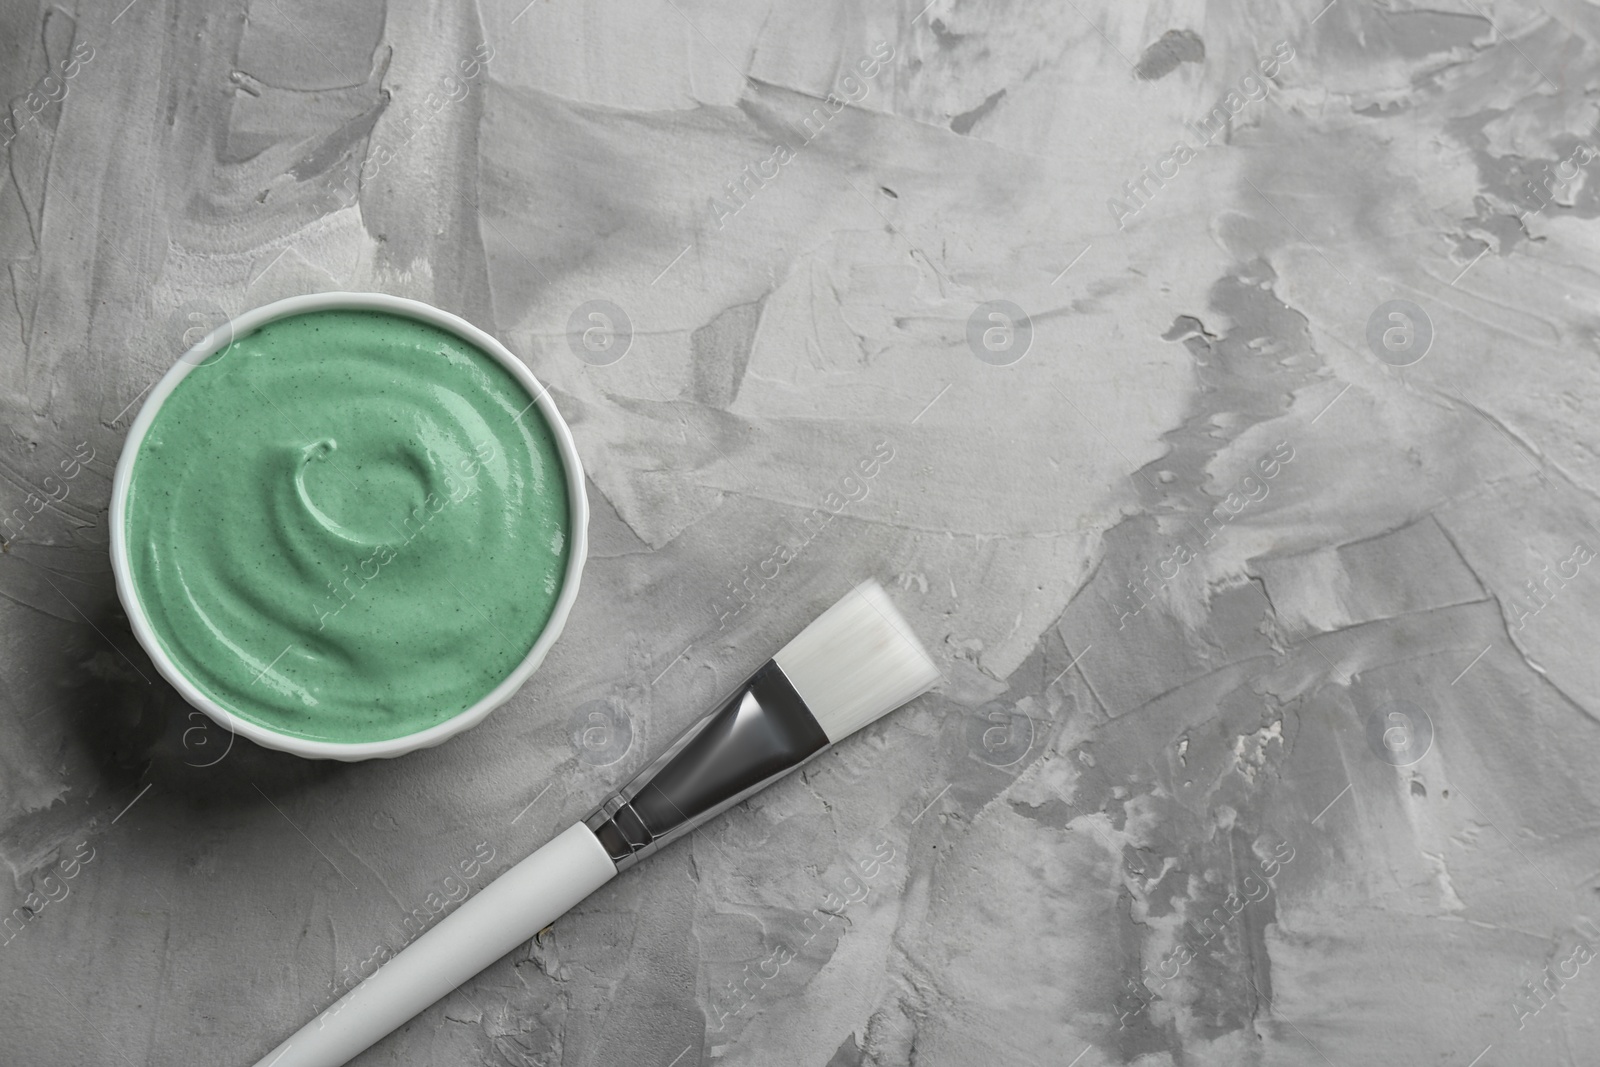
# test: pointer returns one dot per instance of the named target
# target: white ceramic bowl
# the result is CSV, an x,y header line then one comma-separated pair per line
x,y
247,323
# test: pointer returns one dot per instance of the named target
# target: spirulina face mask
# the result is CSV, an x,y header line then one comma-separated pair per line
x,y
348,525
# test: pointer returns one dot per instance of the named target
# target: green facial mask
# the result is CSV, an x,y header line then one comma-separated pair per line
x,y
348,525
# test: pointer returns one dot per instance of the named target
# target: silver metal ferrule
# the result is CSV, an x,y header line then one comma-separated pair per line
x,y
759,734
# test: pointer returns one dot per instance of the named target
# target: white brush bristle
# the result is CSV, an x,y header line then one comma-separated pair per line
x,y
857,662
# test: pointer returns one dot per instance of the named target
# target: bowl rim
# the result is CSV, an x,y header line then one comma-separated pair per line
x,y
248,322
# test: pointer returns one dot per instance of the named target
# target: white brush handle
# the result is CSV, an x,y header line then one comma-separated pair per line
x,y
509,911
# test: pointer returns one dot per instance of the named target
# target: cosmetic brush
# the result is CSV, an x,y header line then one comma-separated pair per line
x,y
854,664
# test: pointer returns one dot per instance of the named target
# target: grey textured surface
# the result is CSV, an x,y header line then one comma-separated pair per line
x,y
1180,563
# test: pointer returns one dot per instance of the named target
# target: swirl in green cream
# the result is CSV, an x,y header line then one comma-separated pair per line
x,y
348,525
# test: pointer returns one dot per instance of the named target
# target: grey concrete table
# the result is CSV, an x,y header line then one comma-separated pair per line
x,y
1237,369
